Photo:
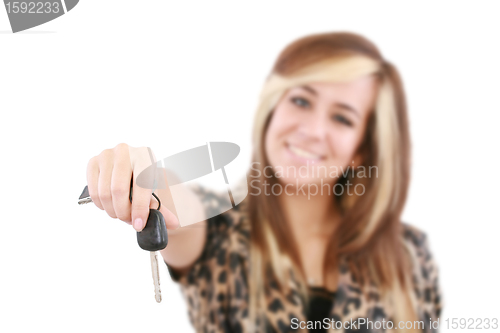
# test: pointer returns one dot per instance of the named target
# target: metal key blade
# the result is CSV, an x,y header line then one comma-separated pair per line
x,y
85,196
156,276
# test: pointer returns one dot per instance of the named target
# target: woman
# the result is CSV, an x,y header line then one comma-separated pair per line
x,y
318,243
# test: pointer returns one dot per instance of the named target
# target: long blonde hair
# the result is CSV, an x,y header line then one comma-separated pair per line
x,y
368,237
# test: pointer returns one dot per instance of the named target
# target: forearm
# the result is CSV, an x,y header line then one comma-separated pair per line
x,y
186,243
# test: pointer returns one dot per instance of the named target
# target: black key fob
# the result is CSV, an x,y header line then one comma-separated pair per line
x,y
154,236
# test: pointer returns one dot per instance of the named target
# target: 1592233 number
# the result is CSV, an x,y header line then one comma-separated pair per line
x,y
25,7
471,323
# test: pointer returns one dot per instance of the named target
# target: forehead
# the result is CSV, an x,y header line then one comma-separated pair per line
x,y
360,93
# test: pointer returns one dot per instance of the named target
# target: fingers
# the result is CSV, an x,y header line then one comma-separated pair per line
x,y
108,180
104,183
120,183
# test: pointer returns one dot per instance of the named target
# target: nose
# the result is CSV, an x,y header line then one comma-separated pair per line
x,y
314,126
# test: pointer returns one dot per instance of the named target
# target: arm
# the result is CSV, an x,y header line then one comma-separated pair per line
x,y
185,244
108,177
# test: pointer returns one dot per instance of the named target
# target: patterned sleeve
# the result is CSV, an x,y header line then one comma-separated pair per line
x,y
429,290
213,282
432,293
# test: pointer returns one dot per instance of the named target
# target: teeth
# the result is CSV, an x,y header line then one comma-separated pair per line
x,y
303,153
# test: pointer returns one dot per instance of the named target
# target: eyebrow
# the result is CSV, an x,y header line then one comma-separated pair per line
x,y
344,106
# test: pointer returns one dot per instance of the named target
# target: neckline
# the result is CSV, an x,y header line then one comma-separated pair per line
x,y
321,289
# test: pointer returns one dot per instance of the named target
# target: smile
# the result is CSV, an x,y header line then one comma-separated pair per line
x,y
299,152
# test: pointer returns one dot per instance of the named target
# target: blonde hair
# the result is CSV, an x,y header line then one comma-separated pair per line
x,y
369,236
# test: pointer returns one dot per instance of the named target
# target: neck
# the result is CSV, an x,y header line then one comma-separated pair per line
x,y
310,216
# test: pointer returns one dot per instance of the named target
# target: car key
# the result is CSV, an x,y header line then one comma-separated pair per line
x,y
153,237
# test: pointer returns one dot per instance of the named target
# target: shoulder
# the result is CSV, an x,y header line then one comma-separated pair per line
x,y
413,235
425,268
220,211
218,278
417,240
226,233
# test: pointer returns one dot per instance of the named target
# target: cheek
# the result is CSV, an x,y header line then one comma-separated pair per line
x,y
280,125
343,144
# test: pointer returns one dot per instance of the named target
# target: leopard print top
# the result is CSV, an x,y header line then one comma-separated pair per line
x,y
216,286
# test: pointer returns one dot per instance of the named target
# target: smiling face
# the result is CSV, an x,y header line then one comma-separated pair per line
x,y
318,127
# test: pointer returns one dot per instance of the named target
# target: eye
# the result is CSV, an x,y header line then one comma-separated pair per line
x,y
301,102
343,120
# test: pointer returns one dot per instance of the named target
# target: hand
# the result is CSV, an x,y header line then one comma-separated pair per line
x,y
108,178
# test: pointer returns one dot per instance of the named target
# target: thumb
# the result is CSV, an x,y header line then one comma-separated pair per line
x,y
140,207
139,217
141,193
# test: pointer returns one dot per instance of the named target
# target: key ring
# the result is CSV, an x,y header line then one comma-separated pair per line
x,y
159,203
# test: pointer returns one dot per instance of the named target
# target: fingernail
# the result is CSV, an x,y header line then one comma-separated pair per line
x,y
138,224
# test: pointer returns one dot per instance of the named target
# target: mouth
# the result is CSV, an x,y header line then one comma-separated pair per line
x,y
303,153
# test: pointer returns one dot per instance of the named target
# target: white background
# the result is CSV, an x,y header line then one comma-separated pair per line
x,y
173,75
